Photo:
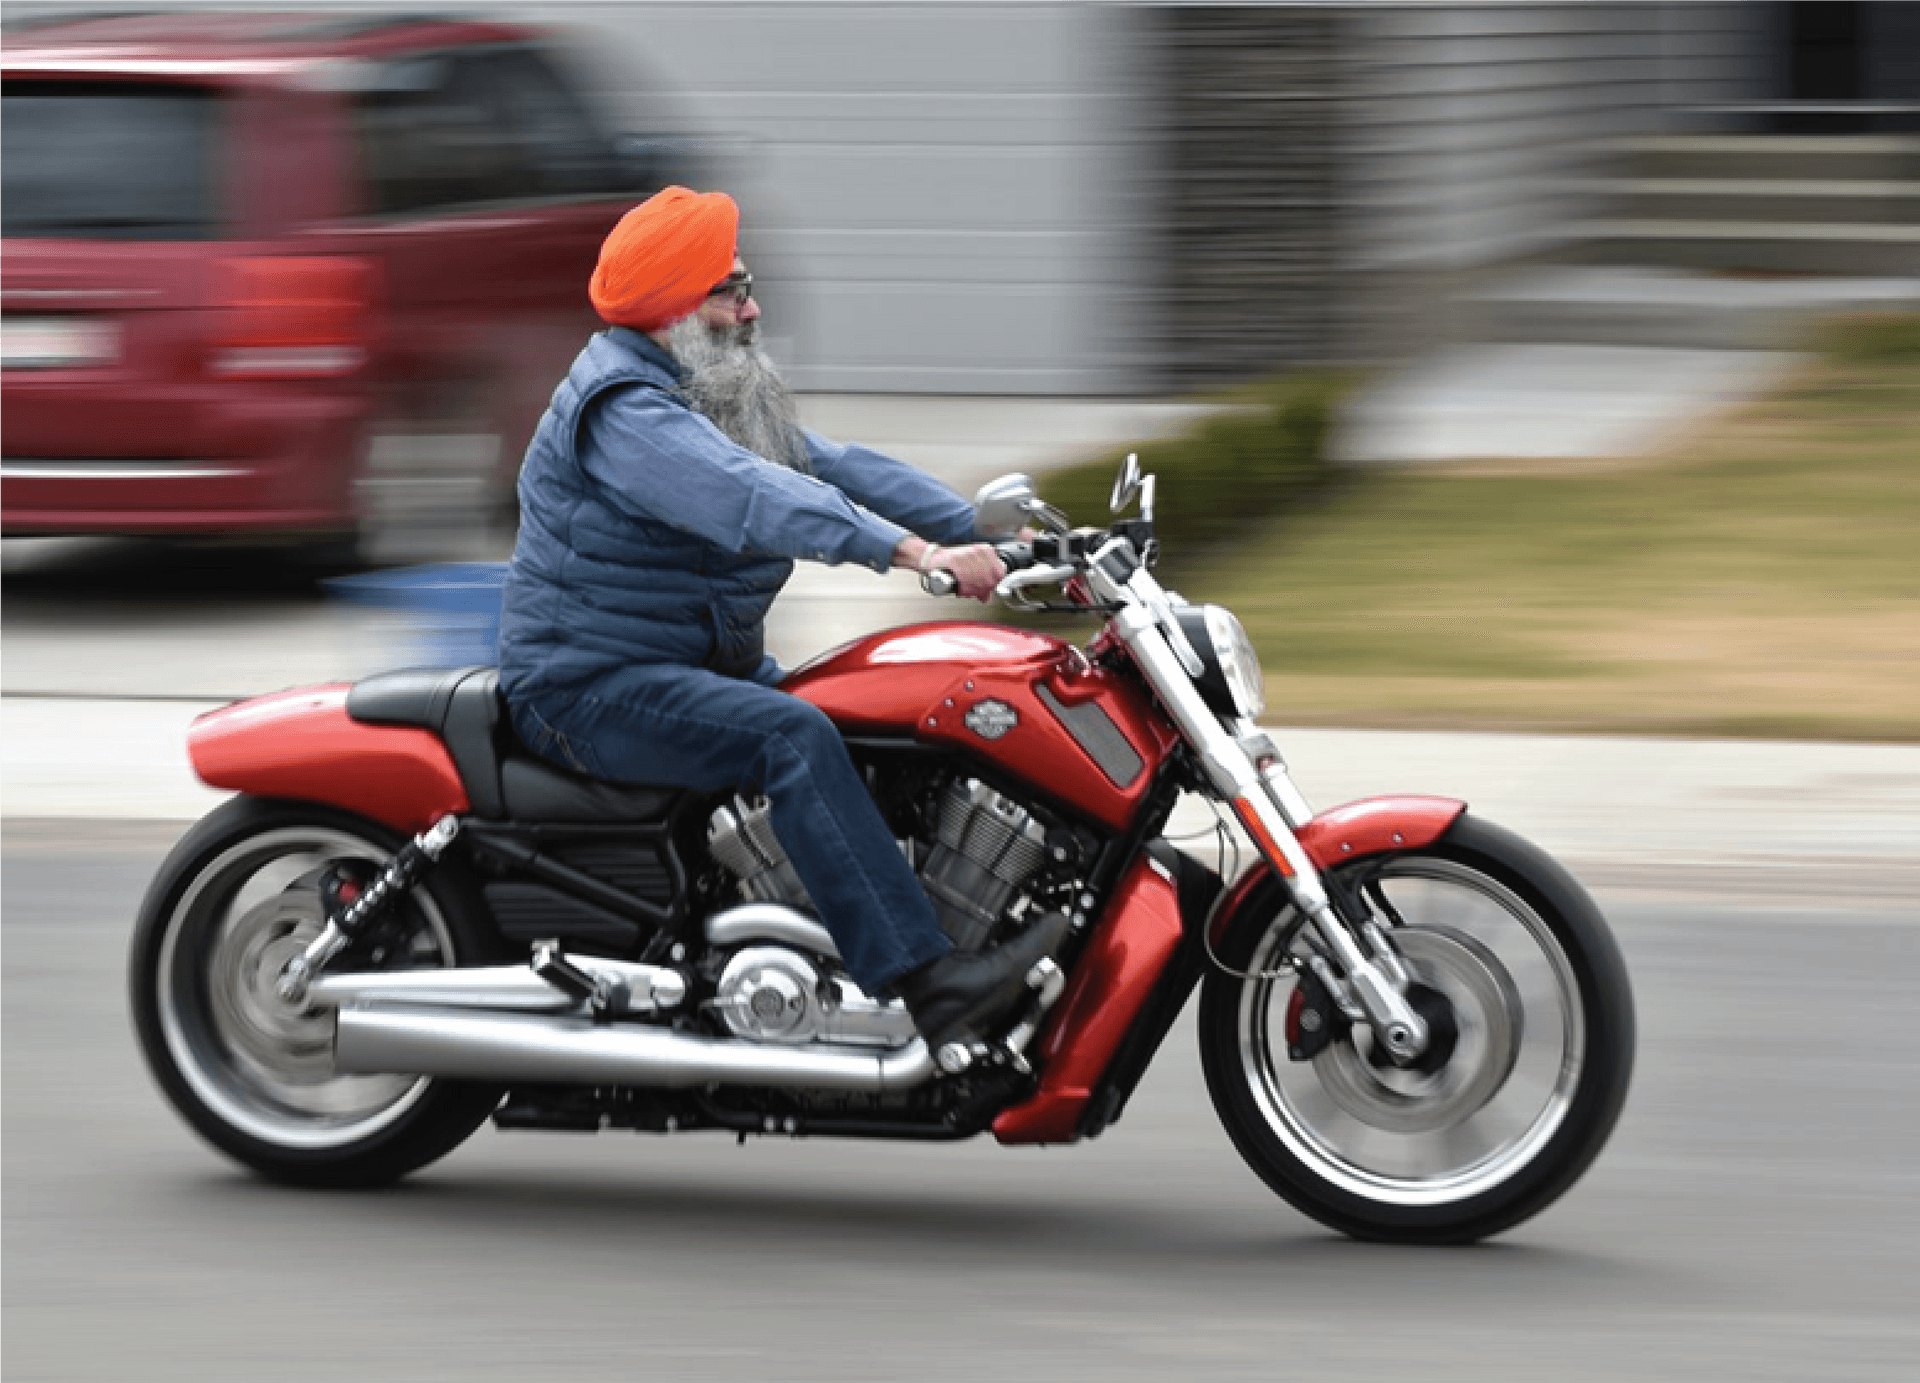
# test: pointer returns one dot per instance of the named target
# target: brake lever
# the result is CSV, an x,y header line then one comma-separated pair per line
x,y
1033,576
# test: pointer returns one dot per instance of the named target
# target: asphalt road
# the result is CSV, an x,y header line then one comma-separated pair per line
x,y
1755,1217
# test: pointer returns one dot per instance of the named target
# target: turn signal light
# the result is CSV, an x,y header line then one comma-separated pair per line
x,y
294,318
1262,838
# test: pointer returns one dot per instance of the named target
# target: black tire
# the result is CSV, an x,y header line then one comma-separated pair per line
x,y
1407,1157
252,1076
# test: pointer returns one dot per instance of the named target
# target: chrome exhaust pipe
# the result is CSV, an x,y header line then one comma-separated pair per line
x,y
493,1046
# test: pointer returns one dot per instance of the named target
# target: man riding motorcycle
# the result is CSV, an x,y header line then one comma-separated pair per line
x,y
664,499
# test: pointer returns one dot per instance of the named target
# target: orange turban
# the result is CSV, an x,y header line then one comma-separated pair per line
x,y
664,257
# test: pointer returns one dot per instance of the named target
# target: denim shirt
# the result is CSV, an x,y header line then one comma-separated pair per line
x,y
646,535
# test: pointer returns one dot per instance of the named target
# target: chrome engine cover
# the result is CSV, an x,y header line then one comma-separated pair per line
x,y
770,993
985,847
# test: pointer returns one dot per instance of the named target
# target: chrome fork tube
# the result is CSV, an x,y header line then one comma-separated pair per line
x,y
1258,746
1377,984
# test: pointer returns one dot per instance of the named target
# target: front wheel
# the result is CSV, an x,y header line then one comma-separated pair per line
x,y
237,898
1532,1017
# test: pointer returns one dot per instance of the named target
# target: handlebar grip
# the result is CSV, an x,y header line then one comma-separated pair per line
x,y
939,581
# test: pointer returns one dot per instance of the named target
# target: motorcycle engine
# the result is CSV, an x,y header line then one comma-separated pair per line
x,y
741,838
981,847
773,993
985,845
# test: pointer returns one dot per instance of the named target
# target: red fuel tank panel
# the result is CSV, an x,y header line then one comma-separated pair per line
x,y
885,681
1030,703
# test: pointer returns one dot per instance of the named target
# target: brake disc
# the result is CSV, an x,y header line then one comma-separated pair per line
x,y
1487,1013
294,1044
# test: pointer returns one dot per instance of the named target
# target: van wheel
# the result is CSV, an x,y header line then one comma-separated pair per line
x,y
432,495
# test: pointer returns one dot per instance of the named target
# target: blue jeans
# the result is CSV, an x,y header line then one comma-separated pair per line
x,y
679,726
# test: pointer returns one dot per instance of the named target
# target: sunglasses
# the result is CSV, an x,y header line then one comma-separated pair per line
x,y
737,287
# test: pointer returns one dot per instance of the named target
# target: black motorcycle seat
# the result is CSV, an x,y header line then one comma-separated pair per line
x,y
504,779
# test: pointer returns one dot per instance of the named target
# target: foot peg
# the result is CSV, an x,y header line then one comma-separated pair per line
x,y
551,964
609,988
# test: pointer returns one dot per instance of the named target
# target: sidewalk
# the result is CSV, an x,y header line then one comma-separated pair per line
x,y
1499,401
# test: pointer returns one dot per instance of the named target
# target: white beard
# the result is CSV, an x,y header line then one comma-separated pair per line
x,y
730,380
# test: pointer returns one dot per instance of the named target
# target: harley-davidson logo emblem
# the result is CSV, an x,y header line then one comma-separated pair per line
x,y
992,719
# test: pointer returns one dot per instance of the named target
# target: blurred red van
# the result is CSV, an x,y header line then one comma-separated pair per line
x,y
310,277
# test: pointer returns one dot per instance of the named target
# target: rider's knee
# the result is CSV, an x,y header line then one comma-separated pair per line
x,y
807,728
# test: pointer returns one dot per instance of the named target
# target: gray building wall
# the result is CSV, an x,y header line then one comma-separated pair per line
x,y
1100,196
1337,172
952,198
1473,133
1473,125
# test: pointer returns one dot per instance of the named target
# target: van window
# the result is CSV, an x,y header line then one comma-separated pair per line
x,y
472,126
108,161
560,153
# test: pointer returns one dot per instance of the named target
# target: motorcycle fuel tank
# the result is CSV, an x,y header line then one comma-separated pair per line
x,y
1029,703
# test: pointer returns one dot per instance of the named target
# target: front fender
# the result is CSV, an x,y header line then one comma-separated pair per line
x,y
1371,826
303,745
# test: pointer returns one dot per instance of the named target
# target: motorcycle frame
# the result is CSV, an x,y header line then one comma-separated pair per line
x,y
1151,911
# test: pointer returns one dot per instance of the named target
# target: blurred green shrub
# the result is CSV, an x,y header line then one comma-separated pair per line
x,y
1233,470
1874,339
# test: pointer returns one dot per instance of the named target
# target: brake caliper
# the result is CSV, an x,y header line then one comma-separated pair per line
x,y
1313,1019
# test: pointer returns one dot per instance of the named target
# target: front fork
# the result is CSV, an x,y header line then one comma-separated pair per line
x,y
1369,980
1375,978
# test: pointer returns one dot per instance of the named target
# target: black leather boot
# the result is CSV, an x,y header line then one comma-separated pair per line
x,y
964,995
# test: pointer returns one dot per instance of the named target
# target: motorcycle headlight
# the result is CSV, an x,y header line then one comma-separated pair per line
x,y
1230,681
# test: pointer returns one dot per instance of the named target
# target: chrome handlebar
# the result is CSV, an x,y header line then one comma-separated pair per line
x,y
1018,558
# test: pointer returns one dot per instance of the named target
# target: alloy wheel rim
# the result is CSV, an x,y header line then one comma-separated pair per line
x,y
265,1068
1396,1137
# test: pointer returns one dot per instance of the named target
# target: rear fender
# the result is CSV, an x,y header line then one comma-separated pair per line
x,y
302,745
1371,826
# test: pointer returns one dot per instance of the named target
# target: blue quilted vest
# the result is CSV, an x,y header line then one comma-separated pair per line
x,y
593,588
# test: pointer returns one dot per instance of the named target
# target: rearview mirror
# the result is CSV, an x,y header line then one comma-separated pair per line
x,y
1126,483
1001,507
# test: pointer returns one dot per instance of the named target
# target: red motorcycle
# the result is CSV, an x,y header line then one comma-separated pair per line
x,y
1414,1025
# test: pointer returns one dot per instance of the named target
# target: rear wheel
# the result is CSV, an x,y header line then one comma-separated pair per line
x,y
1532,1021
237,898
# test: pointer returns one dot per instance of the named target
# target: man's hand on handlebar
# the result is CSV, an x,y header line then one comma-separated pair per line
x,y
972,570
976,568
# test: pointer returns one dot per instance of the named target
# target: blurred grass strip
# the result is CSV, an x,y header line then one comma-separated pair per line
x,y
1759,576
